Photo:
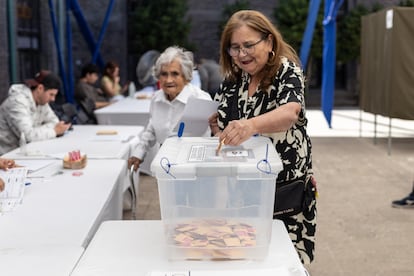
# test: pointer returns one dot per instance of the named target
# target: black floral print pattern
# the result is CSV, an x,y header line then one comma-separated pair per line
x,y
294,145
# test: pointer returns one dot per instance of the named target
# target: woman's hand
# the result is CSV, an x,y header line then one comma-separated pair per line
x,y
237,132
135,162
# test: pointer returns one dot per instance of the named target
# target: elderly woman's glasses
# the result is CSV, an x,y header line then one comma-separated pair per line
x,y
247,48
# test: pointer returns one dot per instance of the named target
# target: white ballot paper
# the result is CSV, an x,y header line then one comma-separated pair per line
x,y
195,117
15,180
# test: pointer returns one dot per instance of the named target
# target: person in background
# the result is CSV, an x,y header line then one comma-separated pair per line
x,y
173,69
5,164
87,95
146,80
263,93
406,202
210,76
110,82
26,111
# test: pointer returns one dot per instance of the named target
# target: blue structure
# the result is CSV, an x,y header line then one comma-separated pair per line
x,y
72,6
329,50
308,34
329,58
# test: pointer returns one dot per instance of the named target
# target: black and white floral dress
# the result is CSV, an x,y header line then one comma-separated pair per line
x,y
294,145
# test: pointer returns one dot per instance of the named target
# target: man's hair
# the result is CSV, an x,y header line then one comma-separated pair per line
x,y
89,69
47,78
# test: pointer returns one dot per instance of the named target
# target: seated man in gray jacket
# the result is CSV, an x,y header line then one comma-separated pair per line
x,y
26,111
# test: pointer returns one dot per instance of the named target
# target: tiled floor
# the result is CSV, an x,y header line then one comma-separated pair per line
x,y
358,233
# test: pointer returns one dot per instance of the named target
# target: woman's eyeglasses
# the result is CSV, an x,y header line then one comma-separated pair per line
x,y
247,49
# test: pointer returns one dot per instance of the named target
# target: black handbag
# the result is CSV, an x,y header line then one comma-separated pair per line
x,y
290,198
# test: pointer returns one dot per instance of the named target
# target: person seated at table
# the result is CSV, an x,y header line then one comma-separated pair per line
x,y
173,69
210,76
87,95
146,80
26,111
5,164
110,82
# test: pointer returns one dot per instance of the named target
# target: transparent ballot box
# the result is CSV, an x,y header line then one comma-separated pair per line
x,y
216,205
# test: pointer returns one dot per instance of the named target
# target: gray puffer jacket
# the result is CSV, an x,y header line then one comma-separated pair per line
x,y
19,113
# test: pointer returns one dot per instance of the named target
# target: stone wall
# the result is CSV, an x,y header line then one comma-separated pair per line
x,y
205,18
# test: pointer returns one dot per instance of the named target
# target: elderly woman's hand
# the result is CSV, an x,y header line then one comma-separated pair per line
x,y
212,121
135,162
237,132
1,185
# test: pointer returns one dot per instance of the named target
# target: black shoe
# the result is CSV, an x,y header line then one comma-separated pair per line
x,y
406,202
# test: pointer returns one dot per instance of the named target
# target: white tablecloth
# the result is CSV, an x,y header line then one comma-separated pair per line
x,y
128,111
138,247
85,139
65,209
39,260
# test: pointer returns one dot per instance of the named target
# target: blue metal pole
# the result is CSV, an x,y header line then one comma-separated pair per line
x,y
11,10
83,26
329,58
70,72
102,32
308,34
59,50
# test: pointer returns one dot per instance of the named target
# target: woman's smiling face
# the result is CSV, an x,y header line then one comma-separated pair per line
x,y
253,48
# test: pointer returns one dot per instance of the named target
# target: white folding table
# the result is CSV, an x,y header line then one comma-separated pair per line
x,y
65,209
138,247
39,260
127,111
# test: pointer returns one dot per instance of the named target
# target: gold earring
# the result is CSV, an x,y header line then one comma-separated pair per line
x,y
235,68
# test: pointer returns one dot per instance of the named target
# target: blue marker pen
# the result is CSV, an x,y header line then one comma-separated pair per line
x,y
181,129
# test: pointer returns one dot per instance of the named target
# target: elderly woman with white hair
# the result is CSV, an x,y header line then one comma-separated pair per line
x,y
173,69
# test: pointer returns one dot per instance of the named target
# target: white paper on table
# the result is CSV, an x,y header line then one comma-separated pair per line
x,y
196,114
112,138
15,182
54,168
30,155
34,165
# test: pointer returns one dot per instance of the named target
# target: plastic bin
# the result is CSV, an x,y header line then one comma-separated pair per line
x,y
216,206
